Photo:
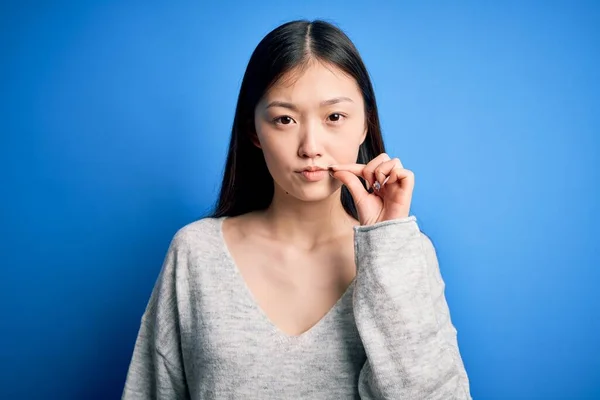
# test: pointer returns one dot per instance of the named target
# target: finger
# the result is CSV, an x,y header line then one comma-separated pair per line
x,y
356,169
400,174
353,184
377,186
382,172
369,171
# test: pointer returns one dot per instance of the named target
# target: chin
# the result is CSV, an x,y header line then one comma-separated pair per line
x,y
316,193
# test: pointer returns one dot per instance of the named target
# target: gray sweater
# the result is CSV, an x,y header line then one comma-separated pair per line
x,y
390,336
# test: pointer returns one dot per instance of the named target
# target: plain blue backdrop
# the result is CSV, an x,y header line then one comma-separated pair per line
x,y
115,117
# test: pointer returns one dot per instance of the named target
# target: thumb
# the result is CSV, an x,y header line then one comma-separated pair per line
x,y
353,184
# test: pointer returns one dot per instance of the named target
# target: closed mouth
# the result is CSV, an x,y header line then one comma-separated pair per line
x,y
313,169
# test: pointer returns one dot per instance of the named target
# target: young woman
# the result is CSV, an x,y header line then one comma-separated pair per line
x,y
311,280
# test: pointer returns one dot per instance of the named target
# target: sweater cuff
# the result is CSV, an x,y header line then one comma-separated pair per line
x,y
385,243
407,225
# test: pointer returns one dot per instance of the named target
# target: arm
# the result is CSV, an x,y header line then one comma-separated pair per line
x,y
156,370
403,318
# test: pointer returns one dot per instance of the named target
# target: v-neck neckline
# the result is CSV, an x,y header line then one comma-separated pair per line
x,y
281,336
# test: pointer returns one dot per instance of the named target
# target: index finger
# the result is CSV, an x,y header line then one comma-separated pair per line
x,y
356,169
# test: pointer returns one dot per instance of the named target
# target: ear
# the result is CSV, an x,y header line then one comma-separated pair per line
x,y
254,139
364,135
251,129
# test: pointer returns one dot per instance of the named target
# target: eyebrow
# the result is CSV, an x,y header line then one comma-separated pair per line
x,y
291,106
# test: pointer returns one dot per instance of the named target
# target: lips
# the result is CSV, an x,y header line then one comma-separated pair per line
x,y
314,173
313,169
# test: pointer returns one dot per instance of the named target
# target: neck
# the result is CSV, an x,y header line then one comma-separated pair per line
x,y
307,223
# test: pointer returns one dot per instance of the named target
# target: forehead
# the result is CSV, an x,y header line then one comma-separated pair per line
x,y
313,83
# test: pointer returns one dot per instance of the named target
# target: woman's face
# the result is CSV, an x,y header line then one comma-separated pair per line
x,y
310,119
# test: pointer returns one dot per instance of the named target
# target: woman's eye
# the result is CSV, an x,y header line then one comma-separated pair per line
x,y
284,120
335,117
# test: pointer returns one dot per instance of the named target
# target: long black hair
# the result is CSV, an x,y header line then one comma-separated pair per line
x,y
247,184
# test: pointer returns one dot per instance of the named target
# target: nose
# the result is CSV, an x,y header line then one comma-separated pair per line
x,y
310,145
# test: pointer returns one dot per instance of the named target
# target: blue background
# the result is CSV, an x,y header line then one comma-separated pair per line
x,y
115,117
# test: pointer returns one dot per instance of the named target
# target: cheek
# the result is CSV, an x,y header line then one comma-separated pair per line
x,y
344,151
345,157
275,153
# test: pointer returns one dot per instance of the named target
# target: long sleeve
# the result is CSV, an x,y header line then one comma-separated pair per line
x,y
156,369
403,318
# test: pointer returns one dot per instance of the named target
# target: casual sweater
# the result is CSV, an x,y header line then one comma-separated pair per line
x,y
390,336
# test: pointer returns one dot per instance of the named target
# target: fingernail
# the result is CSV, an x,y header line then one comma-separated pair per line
x,y
376,185
367,184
